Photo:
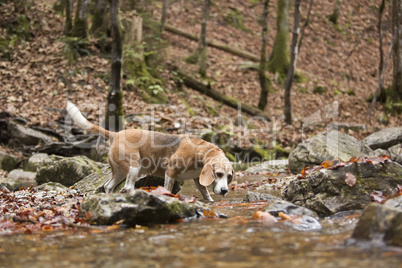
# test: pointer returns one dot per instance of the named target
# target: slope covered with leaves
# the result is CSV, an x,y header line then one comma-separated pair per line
x,y
37,79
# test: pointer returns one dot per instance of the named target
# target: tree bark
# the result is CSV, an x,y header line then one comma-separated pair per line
x,y
202,43
263,60
215,44
305,25
292,67
80,27
216,95
396,93
114,120
280,59
164,15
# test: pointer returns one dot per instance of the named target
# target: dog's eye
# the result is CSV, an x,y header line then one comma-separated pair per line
x,y
219,174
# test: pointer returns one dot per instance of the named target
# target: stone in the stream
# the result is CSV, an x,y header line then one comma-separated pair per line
x,y
256,196
326,146
326,191
67,170
381,223
140,207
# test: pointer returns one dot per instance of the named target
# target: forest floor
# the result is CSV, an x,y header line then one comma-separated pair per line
x,y
343,60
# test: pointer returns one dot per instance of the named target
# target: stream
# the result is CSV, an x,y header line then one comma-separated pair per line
x,y
236,241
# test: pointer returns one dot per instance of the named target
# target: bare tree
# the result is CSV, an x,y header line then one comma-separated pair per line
x,y
114,110
69,4
263,60
202,43
292,67
164,14
396,91
98,15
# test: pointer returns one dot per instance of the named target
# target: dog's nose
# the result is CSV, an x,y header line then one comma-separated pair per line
x,y
224,191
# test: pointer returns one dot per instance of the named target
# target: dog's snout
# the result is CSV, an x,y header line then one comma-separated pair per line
x,y
224,191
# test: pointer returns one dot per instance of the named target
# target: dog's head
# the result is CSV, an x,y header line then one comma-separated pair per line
x,y
220,173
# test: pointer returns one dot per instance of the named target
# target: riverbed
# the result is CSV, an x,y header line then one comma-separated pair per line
x,y
239,240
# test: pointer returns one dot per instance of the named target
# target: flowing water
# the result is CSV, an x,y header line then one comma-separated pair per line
x,y
238,241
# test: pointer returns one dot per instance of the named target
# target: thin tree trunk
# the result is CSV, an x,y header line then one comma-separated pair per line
x,y
396,92
202,43
305,25
263,60
114,110
292,67
69,4
164,14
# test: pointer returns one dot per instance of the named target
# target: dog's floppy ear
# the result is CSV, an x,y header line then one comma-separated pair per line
x,y
207,175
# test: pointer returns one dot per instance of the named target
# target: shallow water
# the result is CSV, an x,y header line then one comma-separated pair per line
x,y
238,241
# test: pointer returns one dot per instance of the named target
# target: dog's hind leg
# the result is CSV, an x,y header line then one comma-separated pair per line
x,y
118,176
204,190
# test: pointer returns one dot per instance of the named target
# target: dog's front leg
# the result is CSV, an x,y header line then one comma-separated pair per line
x,y
204,190
169,182
131,179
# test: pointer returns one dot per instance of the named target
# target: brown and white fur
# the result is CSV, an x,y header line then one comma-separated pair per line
x,y
136,153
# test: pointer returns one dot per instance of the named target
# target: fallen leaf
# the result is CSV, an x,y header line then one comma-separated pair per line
x,y
327,163
378,196
265,217
284,216
210,213
350,179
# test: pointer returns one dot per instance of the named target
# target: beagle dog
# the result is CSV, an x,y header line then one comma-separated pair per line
x,y
136,153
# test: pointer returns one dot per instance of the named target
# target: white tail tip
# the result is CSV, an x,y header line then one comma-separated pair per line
x,y
77,116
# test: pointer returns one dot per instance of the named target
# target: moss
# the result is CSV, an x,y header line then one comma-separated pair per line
x,y
319,90
235,18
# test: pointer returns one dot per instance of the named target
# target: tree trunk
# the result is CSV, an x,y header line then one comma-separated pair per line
x,y
202,43
69,4
98,15
80,28
396,93
263,60
114,120
164,15
292,67
279,61
216,95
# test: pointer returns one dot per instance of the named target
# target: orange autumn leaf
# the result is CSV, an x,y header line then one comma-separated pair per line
x,y
210,214
284,216
327,163
265,217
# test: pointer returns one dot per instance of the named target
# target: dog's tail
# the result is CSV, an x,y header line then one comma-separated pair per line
x,y
83,123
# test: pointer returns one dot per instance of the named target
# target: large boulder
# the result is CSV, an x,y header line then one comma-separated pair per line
x,y
346,187
384,139
326,146
93,183
67,170
140,207
381,223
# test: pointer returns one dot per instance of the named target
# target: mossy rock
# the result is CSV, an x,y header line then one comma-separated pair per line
x,y
8,162
67,170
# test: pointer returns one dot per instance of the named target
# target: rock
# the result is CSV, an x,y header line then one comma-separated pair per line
x,y
326,192
396,153
380,224
256,196
384,138
289,209
25,177
304,223
139,207
67,170
8,161
35,162
53,187
23,135
325,146
93,183
12,185
272,166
